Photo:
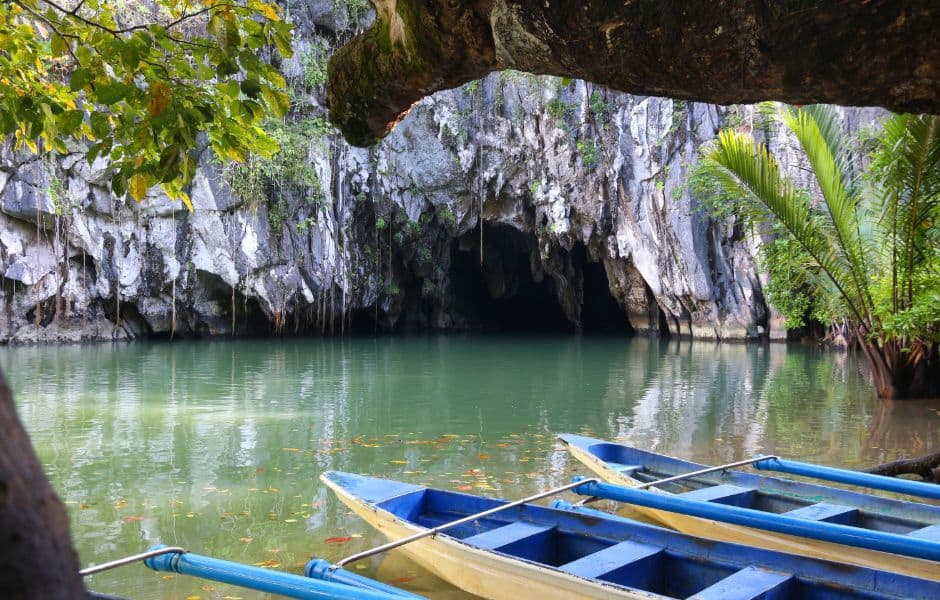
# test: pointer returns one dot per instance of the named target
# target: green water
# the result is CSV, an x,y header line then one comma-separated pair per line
x,y
217,446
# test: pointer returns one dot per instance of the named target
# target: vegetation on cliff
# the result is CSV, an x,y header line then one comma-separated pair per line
x,y
858,252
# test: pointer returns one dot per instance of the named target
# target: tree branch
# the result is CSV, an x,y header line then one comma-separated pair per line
x,y
927,466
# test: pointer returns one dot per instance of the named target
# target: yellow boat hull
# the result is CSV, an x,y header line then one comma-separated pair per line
x,y
739,534
479,572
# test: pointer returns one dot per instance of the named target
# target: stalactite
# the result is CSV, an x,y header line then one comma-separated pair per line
x,y
332,307
38,283
173,310
85,290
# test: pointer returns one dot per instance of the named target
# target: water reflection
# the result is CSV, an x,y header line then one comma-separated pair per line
x,y
217,446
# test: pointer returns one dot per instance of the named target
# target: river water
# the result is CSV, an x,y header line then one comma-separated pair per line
x,y
217,445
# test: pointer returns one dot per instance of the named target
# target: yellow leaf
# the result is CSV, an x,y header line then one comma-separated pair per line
x,y
31,145
139,184
160,97
399,462
245,539
269,12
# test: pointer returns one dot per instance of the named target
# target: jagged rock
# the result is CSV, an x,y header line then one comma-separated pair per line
x,y
587,221
722,51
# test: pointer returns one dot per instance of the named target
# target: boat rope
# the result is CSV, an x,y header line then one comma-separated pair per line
x,y
127,560
690,475
461,521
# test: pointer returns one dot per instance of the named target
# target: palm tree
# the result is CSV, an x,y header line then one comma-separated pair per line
x,y
871,244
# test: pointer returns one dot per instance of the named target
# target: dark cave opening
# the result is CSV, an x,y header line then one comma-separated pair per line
x,y
600,312
501,294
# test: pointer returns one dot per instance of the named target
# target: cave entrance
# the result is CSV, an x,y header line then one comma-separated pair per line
x,y
502,295
600,312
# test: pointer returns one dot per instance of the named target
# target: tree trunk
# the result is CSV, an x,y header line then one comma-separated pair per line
x,y
901,374
36,555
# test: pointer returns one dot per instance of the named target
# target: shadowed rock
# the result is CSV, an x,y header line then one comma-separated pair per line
x,y
877,53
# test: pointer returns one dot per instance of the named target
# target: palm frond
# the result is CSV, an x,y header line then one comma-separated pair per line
x,y
905,177
826,149
749,175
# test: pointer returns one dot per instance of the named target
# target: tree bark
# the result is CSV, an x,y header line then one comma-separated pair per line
x,y
37,559
927,466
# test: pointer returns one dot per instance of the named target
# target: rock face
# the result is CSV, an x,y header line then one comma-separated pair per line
x,y
869,53
586,225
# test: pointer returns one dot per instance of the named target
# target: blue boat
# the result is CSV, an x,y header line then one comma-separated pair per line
x,y
531,551
770,512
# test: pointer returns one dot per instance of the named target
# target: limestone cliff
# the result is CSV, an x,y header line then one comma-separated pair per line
x,y
586,224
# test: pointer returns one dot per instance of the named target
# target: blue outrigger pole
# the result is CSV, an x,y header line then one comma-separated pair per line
x,y
323,581
869,480
828,532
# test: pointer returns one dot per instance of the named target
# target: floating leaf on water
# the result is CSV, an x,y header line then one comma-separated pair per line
x,y
194,597
338,540
405,579
166,577
399,462
484,456
290,520
208,588
464,488
291,449
84,506
132,519
271,563
245,539
450,435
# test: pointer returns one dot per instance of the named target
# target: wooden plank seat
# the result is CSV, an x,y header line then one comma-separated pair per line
x,y
746,584
613,558
500,537
625,469
931,532
722,494
823,511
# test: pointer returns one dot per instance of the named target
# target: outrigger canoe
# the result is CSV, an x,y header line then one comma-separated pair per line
x,y
531,551
813,504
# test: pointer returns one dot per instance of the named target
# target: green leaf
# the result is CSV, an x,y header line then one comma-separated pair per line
x,y
228,67
100,124
80,78
130,57
278,102
70,120
57,45
111,93
251,87
230,89
83,54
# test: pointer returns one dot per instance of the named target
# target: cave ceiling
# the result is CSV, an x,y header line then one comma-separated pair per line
x,y
851,52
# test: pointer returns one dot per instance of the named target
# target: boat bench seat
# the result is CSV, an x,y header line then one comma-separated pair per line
x,y
746,584
931,532
828,513
494,539
722,494
610,559
625,469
